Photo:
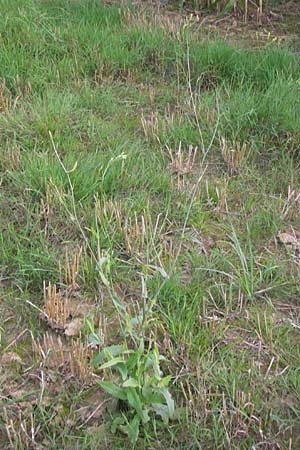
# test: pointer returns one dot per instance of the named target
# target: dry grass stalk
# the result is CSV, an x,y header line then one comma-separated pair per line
x,y
71,267
109,211
102,331
56,307
170,116
235,5
133,230
194,398
145,238
211,117
260,12
6,102
168,251
10,157
56,353
222,197
140,236
46,204
99,75
291,204
246,11
237,412
51,350
234,156
150,126
23,88
135,233
20,433
182,164
79,357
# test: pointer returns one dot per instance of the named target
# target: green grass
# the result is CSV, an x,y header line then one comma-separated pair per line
x,y
195,238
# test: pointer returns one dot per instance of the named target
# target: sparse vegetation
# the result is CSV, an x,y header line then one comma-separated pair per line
x,y
149,230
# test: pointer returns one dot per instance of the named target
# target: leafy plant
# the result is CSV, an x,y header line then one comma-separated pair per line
x,y
140,386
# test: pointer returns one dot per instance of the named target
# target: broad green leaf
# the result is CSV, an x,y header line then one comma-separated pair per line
x,y
113,389
132,361
145,417
112,362
95,339
122,368
149,361
150,396
118,304
162,411
98,359
131,382
170,402
119,420
155,362
113,350
151,382
164,382
134,401
141,346
132,429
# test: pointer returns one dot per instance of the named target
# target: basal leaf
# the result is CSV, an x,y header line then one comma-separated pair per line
x,y
112,362
113,389
134,400
161,410
132,429
131,382
170,402
113,350
119,420
122,368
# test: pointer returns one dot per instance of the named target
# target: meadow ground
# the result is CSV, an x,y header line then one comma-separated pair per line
x,y
150,197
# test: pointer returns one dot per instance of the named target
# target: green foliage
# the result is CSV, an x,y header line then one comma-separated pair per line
x,y
141,385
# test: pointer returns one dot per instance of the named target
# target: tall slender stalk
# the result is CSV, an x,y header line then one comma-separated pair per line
x,y
235,3
260,12
246,12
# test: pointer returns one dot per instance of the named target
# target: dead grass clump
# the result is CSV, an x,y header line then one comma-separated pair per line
x,y
47,203
6,101
234,156
64,311
20,430
79,357
69,272
52,350
151,127
291,204
71,358
181,162
222,194
10,157
56,309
